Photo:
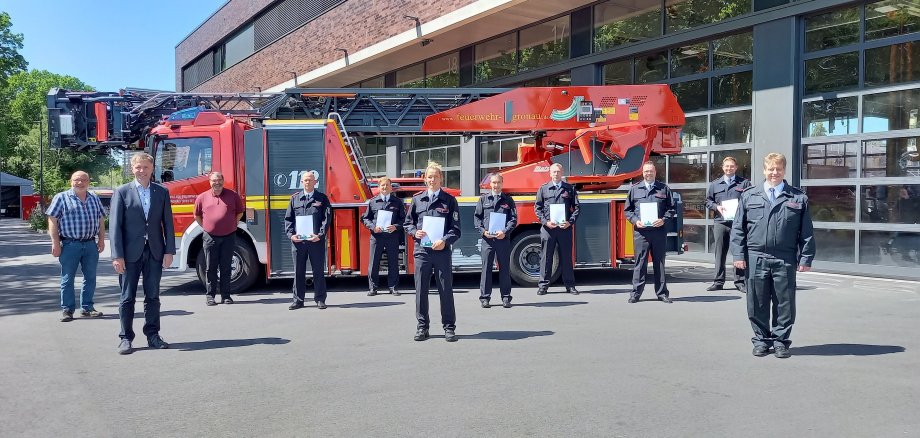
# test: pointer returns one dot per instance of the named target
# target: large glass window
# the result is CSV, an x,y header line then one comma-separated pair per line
x,y
692,95
545,43
893,64
496,58
497,154
829,117
181,158
832,73
889,248
892,157
411,77
833,29
891,111
733,89
377,82
742,159
830,160
733,50
694,203
690,59
832,203
891,204
695,132
375,154
239,47
687,168
892,17
731,127
836,245
618,73
652,68
443,71
418,151
685,14
621,22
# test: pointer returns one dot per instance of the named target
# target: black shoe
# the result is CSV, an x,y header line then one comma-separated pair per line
x,y
506,302
714,287
665,299
228,300
320,305
541,291
485,303
741,287
394,291
157,342
449,335
421,334
760,351
372,292
572,290
633,300
66,316
295,305
210,301
781,351
124,347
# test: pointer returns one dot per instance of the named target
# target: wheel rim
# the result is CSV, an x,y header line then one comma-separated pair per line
x,y
236,267
529,260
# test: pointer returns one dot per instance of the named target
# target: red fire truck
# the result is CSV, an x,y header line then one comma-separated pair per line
x,y
262,141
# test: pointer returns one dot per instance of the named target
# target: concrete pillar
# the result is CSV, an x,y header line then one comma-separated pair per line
x,y
776,115
469,166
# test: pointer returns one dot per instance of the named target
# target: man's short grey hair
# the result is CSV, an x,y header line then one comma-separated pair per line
x,y
559,165
141,156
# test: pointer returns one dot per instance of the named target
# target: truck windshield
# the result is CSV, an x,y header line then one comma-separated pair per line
x,y
181,158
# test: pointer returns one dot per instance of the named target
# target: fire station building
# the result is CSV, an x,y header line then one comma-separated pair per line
x,y
834,85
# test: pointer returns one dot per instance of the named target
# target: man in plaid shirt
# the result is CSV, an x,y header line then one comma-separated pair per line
x,y
76,224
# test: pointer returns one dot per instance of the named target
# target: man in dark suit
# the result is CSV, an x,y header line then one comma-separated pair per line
x,y
497,244
143,243
434,254
727,187
308,202
649,236
555,234
386,238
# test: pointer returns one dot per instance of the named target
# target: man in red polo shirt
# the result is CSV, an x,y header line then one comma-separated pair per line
x,y
218,211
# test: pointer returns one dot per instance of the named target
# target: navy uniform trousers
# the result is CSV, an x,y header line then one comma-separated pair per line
x,y
552,239
316,253
384,243
492,250
645,241
426,260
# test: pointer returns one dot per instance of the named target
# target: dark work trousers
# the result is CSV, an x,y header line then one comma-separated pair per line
x,y
316,252
218,253
771,288
152,270
721,231
552,239
388,242
644,242
495,250
427,259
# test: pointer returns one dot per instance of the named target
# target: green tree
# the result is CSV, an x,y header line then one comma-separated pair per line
x,y
10,44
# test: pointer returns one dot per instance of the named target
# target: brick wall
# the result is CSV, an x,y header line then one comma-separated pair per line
x,y
354,25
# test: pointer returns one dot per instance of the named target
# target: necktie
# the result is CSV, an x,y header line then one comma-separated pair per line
x,y
772,195
386,199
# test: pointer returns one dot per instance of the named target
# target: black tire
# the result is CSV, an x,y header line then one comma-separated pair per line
x,y
525,259
244,267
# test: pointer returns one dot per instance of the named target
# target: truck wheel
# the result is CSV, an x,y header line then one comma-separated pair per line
x,y
244,267
525,260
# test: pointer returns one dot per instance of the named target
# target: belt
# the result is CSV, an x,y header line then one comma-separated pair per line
x,y
68,239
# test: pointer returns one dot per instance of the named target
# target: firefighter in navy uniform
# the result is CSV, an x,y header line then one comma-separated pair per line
x,y
435,255
497,246
649,237
772,237
309,202
728,186
556,235
384,239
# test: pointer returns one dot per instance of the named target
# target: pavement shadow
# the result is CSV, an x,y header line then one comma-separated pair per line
x,y
607,291
707,298
508,335
550,304
368,304
264,301
226,343
846,350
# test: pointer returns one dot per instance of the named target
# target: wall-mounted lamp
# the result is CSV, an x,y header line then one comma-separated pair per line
x,y
344,51
418,24
293,76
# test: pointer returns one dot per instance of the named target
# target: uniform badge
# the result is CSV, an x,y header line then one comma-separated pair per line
x,y
317,204
792,204
503,206
456,216
660,195
740,189
441,210
565,194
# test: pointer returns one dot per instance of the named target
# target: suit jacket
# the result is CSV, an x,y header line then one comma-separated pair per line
x,y
445,205
318,206
719,191
128,228
660,194
394,205
548,194
487,205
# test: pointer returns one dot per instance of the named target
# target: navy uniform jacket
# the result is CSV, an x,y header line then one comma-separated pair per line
x,y
318,206
487,204
548,194
444,206
782,230
659,194
394,205
719,191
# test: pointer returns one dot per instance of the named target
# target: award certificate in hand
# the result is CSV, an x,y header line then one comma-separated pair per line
x,y
384,219
304,226
496,222
434,229
648,213
557,213
730,208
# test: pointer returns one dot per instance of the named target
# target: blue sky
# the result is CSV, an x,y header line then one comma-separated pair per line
x,y
106,43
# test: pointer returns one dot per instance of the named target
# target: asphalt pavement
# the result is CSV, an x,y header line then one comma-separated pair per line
x,y
554,365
